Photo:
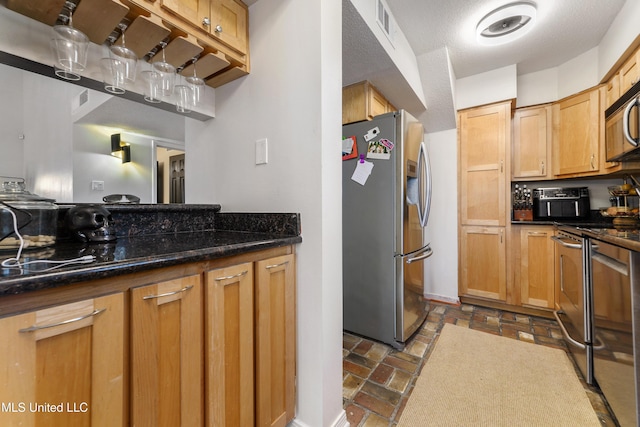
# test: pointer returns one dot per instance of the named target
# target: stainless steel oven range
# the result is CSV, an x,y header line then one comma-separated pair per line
x,y
615,282
599,311
572,277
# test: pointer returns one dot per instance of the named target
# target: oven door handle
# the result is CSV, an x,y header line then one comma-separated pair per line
x,y
566,334
565,243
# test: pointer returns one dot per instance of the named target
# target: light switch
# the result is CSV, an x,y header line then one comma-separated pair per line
x,y
97,185
261,151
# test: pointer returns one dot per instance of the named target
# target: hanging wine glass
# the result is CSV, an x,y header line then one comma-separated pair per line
x,y
69,47
196,84
167,73
151,85
127,58
184,98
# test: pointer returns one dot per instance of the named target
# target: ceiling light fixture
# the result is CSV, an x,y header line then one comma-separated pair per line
x,y
506,23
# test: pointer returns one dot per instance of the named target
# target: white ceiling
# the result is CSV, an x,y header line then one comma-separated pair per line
x,y
434,28
564,29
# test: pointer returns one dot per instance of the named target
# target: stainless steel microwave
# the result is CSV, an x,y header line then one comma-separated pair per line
x,y
622,138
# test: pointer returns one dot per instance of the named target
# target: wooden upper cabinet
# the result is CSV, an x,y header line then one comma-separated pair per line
x,y
630,72
167,353
362,101
484,137
532,143
225,20
71,355
576,135
612,90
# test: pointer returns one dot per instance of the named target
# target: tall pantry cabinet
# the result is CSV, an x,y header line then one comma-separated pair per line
x,y
484,140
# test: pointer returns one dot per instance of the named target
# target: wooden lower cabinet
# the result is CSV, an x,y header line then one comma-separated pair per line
x,y
64,365
229,346
275,340
167,353
483,262
537,266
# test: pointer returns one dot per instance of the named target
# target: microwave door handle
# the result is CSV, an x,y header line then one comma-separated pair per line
x,y
625,121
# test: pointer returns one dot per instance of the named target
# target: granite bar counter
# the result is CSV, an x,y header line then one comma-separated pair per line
x,y
153,236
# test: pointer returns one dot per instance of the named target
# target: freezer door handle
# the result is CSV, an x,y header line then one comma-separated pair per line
x,y
424,254
424,185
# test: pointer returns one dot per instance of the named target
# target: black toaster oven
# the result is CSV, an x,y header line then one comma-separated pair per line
x,y
561,202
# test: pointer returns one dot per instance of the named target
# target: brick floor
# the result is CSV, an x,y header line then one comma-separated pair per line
x,y
378,379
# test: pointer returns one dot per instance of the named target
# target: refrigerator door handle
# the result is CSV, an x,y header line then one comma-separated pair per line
x,y
424,185
424,254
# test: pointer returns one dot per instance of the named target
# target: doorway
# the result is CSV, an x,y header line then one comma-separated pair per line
x,y
170,173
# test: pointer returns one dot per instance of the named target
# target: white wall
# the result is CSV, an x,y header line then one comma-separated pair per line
x,y
496,85
441,276
92,161
48,137
399,51
623,31
293,98
11,124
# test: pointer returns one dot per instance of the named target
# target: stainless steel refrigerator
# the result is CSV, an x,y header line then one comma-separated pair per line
x,y
383,230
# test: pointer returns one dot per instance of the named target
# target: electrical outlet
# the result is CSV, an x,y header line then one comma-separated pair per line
x,y
261,152
97,185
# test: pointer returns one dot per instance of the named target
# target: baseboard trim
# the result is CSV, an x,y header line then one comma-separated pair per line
x,y
440,298
341,421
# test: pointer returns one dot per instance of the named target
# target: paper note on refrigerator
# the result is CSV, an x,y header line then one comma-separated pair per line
x,y
362,172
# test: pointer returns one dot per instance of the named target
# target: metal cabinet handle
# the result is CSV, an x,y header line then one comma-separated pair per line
x,y
593,157
168,294
206,21
64,322
218,29
269,267
219,279
542,168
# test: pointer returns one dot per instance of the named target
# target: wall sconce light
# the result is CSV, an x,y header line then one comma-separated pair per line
x,y
120,148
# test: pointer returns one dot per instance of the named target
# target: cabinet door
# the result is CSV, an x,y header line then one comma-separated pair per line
x,y
537,267
531,142
577,134
166,353
229,346
629,73
378,104
68,359
229,23
275,341
483,136
192,11
482,262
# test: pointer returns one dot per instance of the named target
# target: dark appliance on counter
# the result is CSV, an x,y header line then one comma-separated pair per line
x,y
561,202
621,127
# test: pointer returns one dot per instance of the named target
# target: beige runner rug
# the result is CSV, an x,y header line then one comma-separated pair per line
x,y
473,378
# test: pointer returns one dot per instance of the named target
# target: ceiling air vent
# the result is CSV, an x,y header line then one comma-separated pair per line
x,y
385,20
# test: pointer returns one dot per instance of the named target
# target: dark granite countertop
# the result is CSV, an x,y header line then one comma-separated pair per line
x,y
234,233
628,239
